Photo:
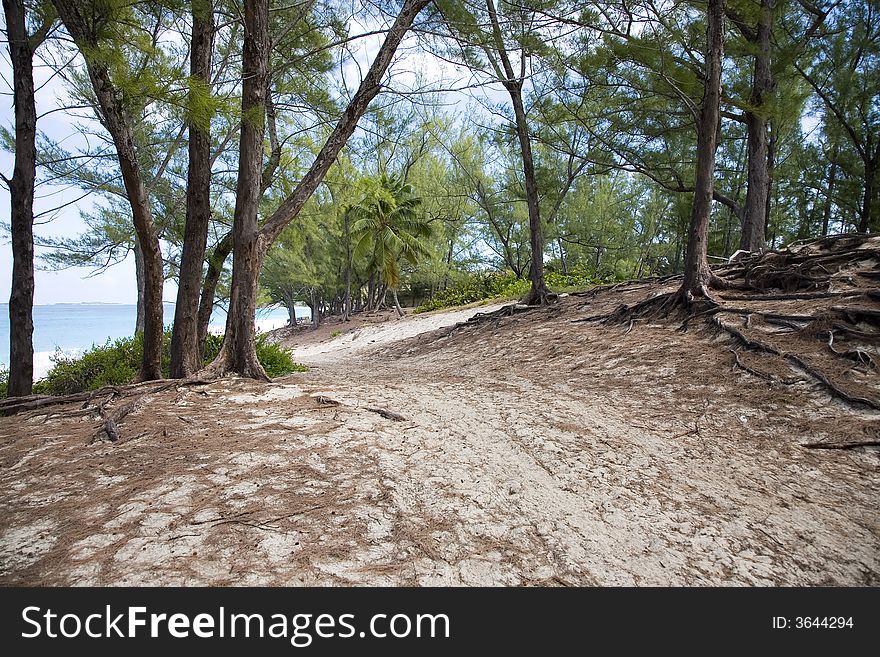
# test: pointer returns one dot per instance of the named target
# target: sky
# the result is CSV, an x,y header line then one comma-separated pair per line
x,y
117,284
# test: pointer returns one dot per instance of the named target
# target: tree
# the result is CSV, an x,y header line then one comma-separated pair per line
x,y
697,275
185,351
389,227
91,26
251,242
481,32
21,194
846,77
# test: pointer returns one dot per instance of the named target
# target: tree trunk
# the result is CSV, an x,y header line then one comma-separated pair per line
x,y
238,353
185,356
757,192
21,196
538,294
865,215
141,311
251,244
771,171
397,307
346,311
697,274
82,23
562,261
209,288
829,195
316,308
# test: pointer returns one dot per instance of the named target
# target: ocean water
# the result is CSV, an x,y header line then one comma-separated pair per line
x,y
71,328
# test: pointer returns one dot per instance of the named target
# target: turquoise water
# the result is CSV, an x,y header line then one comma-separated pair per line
x,y
74,327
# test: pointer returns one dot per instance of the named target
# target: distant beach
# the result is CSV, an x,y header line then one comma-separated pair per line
x,y
72,328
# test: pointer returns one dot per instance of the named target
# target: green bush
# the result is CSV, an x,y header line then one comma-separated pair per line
x,y
4,382
117,363
496,285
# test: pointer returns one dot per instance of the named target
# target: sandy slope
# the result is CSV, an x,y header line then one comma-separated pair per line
x,y
524,450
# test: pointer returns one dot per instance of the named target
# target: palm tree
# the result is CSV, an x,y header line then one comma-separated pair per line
x,y
388,226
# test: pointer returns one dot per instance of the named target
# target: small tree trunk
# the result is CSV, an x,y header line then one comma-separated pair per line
x,y
697,274
865,215
209,288
371,293
757,193
185,352
21,196
538,294
346,311
397,307
562,259
829,195
316,308
141,311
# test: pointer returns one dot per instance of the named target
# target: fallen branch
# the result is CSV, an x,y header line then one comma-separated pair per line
x,y
110,428
388,415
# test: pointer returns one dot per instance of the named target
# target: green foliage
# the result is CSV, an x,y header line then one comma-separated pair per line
x,y
389,226
494,285
117,362
4,382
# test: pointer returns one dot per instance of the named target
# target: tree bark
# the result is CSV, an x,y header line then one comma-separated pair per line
x,y
397,307
346,310
21,196
771,172
865,215
185,358
140,313
538,294
697,274
82,22
562,260
829,194
315,308
209,288
238,354
757,193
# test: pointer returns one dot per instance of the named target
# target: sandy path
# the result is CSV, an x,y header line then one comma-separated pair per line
x,y
375,336
531,450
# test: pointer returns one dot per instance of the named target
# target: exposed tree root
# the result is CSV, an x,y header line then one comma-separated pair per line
x,y
842,444
788,297
856,355
799,362
494,316
738,363
539,296
822,269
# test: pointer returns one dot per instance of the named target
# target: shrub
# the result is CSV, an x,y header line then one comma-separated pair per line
x,y
117,363
496,285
